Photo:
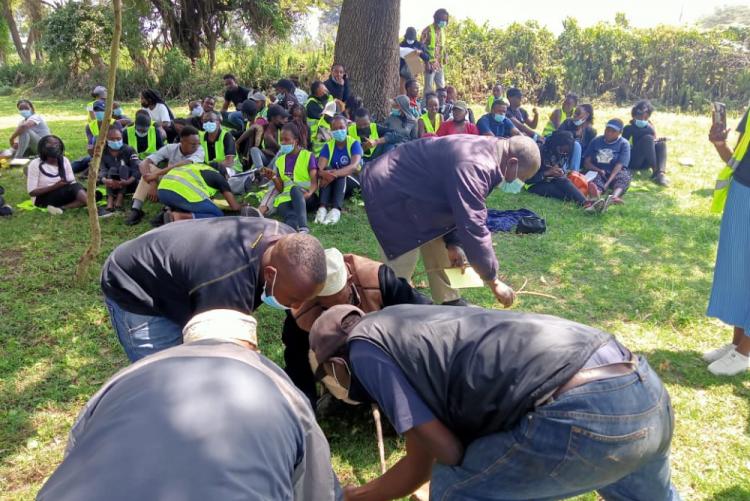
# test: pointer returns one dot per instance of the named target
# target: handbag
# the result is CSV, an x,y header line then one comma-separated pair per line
x,y
531,224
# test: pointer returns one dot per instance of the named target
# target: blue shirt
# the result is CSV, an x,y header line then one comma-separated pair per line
x,y
340,155
498,129
388,386
606,155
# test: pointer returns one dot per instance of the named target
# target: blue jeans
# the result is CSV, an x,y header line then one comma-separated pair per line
x,y
294,212
574,162
200,210
142,335
612,436
235,119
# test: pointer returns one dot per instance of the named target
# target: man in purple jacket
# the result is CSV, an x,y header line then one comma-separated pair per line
x,y
419,193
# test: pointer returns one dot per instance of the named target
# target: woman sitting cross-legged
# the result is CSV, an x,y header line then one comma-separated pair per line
x,y
338,159
50,180
551,179
295,177
647,151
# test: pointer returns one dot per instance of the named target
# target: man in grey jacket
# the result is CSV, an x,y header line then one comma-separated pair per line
x,y
428,197
210,419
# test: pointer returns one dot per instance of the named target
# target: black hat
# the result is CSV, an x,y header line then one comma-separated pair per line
x,y
275,110
249,107
285,84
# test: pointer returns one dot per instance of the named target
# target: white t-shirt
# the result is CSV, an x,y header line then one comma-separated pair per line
x,y
159,114
43,175
40,127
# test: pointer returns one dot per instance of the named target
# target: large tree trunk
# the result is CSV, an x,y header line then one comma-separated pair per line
x,y
36,13
367,46
91,253
23,53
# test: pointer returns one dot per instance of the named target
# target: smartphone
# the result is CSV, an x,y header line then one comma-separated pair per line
x,y
115,177
719,114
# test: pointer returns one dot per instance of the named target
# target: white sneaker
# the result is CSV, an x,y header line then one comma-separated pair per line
x,y
320,216
714,355
55,211
731,364
333,217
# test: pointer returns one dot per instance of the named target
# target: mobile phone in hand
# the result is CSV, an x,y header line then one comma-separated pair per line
x,y
719,114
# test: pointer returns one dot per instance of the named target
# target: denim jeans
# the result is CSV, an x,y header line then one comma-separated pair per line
x,y
294,212
332,194
200,210
235,119
142,335
574,161
612,436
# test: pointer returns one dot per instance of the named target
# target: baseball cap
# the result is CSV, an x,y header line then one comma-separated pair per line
x,y
615,124
99,91
330,109
460,105
327,338
275,110
221,324
336,273
99,105
249,107
258,96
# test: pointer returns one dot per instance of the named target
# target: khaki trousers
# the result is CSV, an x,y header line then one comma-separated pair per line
x,y
435,260
143,187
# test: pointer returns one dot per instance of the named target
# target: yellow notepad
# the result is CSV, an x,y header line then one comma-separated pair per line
x,y
469,278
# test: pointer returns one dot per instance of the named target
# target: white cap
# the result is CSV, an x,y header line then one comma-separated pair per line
x,y
330,109
229,325
336,273
100,91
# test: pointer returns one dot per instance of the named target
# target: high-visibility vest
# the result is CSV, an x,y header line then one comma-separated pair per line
x,y
188,182
428,127
94,127
433,41
725,175
219,155
373,135
332,145
263,141
311,121
318,145
300,176
150,140
491,100
550,127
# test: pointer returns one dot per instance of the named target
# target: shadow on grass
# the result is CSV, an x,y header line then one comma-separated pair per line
x,y
732,494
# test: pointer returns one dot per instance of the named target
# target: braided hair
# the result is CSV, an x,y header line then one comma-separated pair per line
x,y
43,152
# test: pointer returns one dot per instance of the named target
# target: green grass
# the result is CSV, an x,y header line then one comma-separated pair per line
x,y
642,271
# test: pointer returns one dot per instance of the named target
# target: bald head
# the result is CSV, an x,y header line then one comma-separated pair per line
x,y
525,152
296,270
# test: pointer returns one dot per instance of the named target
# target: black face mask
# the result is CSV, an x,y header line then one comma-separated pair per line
x,y
324,98
52,150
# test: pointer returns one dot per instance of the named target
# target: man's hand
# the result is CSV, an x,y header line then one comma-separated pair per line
x,y
152,196
457,256
150,177
718,134
555,171
504,294
267,173
535,111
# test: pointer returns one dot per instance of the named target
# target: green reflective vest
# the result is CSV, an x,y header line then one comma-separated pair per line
x,y
188,182
725,175
433,41
300,176
429,127
94,127
332,144
150,140
219,155
373,135
311,121
550,127
316,143
491,100
263,141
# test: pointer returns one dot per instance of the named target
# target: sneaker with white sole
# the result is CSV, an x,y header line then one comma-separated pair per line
x,y
333,217
731,364
55,211
714,355
320,216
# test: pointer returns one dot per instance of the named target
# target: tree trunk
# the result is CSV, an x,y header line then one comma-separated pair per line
x,y
23,53
36,13
91,253
367,46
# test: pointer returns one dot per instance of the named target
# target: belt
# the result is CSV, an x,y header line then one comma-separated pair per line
x,y
598,374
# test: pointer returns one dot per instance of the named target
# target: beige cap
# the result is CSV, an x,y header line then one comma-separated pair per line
x,y
460,105
336,273
330,109
228,325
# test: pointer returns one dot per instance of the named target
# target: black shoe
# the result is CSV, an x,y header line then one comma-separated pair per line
x,y
158,219
458,302
104,212
660,179
134,217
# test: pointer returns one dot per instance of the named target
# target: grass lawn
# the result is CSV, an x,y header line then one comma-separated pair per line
x,y
642,271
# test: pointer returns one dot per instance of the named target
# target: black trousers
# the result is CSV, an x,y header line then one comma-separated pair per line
x,y
561,188
296,360
648,153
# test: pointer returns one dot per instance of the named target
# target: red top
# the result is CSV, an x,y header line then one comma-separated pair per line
x,y
449,127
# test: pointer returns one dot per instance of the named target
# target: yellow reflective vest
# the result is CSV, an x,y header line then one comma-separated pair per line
x,y
219,155
550,127
428,125
150,141
94,127
373,135
725,175
300,176
188,182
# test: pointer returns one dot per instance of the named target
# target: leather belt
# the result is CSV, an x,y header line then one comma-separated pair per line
x,y
598,374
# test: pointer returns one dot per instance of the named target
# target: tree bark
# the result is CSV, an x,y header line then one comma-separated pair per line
x,y
92,252
36,13
23,53
367,46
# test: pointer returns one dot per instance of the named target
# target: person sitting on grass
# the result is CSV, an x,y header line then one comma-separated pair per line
x,y
551,180
30,130
277,117
187,151
646,150
458,124
94,126
196,113
299,118
370,134
496,123
119,170
316,103
581,125
497,95
160,114
561,114
401,124
234,94
608,156
142,135
412,92
451,97
295,177
520,117
338,84
217,143
99,93
50,181
429,123
339,159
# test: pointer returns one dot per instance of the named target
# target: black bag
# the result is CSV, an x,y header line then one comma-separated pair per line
x,y
531,224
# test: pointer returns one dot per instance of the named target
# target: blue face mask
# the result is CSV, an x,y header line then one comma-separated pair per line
x,y
285,149
339,135
513,187
499,117
114,145
209,127
26,113
442,24
578,123
118,112
270,300
99,115
641,123
395,113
